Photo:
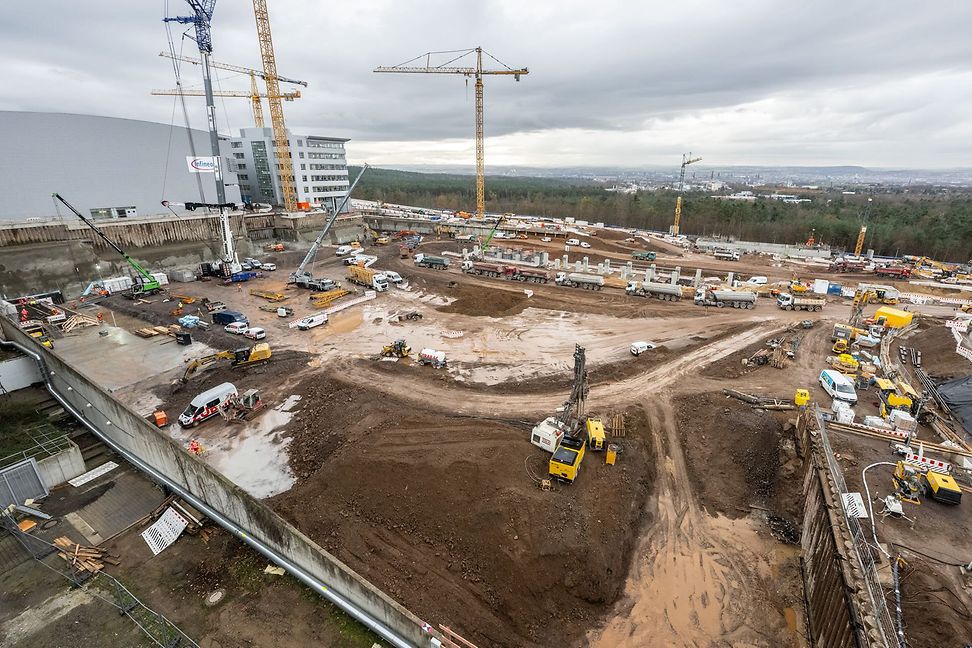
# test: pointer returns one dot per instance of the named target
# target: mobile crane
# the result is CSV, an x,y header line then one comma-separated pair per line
x,y
144,283
300,275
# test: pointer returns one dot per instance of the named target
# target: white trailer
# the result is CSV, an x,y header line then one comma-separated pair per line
x,y
668,292
721,298
580,280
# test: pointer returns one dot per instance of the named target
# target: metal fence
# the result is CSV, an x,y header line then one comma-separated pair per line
x,y
862,548
48,441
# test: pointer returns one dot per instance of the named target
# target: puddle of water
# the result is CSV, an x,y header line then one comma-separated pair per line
x,y
289,403
256,459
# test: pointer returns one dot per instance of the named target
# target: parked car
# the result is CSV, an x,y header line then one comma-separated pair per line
x,y
312,321
637,348
229,317
255,333
206,405
585,244
757,281
393,277
352,260
573,241
546,239
268,266
342,250
246,265
237,328
838,386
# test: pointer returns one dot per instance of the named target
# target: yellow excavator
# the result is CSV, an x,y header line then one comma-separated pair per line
x,y
257,354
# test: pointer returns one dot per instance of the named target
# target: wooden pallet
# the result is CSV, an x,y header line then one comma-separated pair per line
x,y
617,425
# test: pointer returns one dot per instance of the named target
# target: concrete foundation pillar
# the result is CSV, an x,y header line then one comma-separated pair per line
x,y
698,278
600,268
676,273
556,264
607,264
625,273
544,259
577,266
650,273
587,263
565,261
730,278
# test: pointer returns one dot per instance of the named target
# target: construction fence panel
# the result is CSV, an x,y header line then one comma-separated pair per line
x,y
21,482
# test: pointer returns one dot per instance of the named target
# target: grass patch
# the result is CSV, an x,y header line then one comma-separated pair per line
x,y
16,422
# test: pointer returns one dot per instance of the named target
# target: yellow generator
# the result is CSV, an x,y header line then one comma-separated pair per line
x,y
566,459
941,487
595,433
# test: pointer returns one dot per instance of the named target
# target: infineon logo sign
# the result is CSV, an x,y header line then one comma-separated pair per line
x,y
201,164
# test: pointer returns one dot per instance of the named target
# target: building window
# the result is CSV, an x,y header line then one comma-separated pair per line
x,y
236,144
300,143
113,212
305,190
241,166
238,156
243,176
304,178
303,167
301,155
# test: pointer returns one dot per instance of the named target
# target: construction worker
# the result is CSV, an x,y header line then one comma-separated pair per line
x,y
101,317
195,448
24,315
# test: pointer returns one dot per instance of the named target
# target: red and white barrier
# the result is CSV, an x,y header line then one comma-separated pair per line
x,y
927,462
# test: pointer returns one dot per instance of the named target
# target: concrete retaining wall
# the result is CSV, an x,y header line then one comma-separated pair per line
x,y
17,373
133,433
66,464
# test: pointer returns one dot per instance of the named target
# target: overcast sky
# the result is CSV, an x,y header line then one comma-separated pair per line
x,y
882,84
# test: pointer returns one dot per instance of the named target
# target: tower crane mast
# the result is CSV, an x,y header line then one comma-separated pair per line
x,y
859,247
477,72
687,159
281,144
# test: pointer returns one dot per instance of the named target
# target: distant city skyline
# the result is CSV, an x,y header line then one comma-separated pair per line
x,y
611,84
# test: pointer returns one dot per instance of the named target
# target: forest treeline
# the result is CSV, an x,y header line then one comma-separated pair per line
x,y
937,226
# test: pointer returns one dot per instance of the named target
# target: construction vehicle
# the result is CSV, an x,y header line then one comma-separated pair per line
x,y
579,280
477,72
789,302
726,255
840,346
396,349
36,330
530,275
719,298
892,318
237,409
966,308
811,240
643,256
492,233
667,292
595,433
859,246
564,464
483,268
143,283
436,359
368,278
429,261
246,357
274,247
687,159
907,482
845,264
382,240
861,298
891,397
301,276
511,272
900,272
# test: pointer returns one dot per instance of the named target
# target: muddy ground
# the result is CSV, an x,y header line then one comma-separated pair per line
x,y
739,458
937,346
445,514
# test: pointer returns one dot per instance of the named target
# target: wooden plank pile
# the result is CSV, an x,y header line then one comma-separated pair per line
x,y
326,298
269,295
84,558
152,331
78,320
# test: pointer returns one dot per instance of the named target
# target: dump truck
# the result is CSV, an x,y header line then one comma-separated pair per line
x,y
531,275
580,280
786,301
368,278
668,292
726,255
483,268
900,272
643,256
429,261
720,298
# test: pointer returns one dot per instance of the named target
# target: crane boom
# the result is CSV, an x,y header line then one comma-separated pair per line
x,y
287,96
281,143
231,68
146,283
478,73
859,247
312,252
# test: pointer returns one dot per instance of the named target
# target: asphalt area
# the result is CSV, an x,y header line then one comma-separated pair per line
x,y
423,480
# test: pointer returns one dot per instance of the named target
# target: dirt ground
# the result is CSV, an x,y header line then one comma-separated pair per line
x,y
937,346
445,514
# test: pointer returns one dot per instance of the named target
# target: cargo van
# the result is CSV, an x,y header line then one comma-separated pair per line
x,y
206,405
573,241
838,386
311,322
225,317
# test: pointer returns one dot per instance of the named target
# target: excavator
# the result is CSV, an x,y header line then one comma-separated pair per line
x,y
257,354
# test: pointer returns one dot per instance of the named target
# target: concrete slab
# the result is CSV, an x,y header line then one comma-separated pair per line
x,y
122,358
131,498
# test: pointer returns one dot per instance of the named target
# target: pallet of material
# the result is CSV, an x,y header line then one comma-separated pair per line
x,y
269,295
84,558
145,332
78,320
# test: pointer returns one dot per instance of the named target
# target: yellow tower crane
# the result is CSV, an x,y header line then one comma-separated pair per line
x,y
687,159
450,67
254,95
281,144
860,237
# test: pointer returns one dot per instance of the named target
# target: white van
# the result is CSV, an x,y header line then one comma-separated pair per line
x,y
757,281
838,386
342,250
393,277
312,321
573,241
637,348
206,405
